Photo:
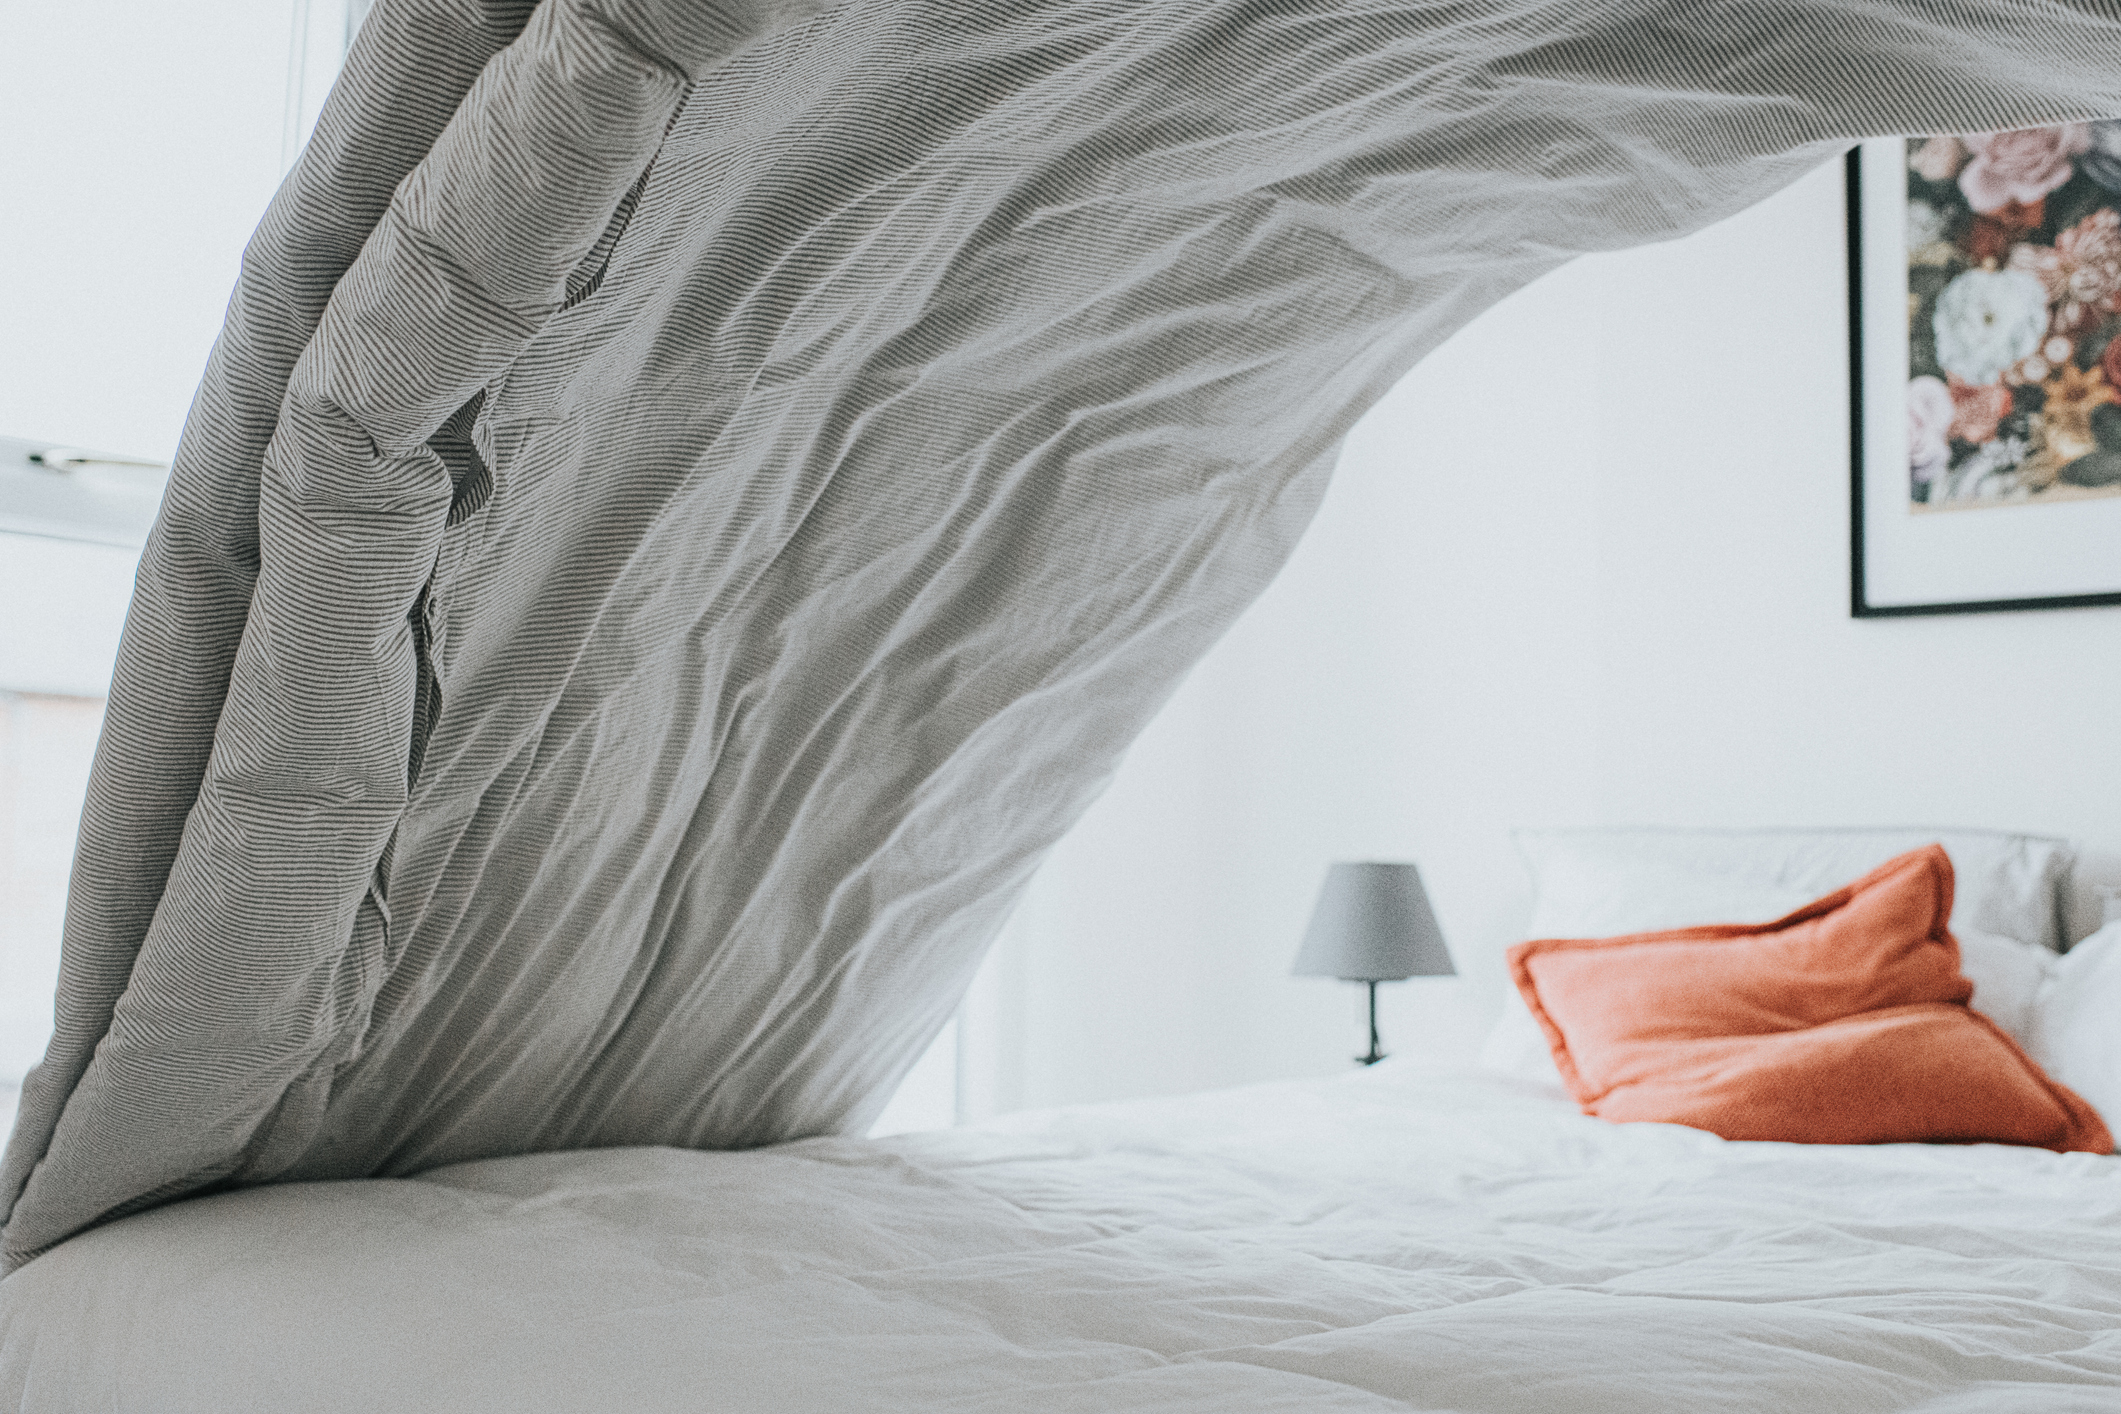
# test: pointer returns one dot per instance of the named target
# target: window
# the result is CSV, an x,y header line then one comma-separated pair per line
x,y
46,742
144,141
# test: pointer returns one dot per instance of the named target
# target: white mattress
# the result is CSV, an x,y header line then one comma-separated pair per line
x,y
1399,1239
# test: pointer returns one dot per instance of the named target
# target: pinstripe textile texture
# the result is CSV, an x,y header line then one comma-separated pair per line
x,y
693,499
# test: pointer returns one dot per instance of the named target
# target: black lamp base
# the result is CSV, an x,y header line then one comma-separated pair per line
x,y
1375,1054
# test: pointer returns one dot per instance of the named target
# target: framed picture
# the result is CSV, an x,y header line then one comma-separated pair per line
x,y
1985,370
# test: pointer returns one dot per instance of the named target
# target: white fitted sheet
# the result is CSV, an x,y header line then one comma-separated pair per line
x,y
1400,1239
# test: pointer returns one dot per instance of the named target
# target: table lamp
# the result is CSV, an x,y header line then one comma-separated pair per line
x,y
1373,924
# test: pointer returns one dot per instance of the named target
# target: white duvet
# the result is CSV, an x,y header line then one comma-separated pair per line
x,y
1399,1239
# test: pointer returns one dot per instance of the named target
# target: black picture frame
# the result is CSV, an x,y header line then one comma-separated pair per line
x,y
1871,338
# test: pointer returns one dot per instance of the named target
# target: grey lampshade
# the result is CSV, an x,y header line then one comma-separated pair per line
x,y
1373,924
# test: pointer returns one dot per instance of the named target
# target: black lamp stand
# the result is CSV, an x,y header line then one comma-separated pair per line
x,y
1375,1054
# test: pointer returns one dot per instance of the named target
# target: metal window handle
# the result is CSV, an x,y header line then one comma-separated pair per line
x,y
73,458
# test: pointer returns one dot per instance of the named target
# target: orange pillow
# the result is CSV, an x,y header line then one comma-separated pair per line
x,y
1843,1023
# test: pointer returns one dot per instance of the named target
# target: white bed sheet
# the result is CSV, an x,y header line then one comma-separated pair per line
x,y
1398,1239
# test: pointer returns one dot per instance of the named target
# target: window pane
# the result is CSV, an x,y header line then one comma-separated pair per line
x,y
46,744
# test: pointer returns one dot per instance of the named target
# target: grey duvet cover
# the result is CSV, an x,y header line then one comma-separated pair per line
x,y
692,499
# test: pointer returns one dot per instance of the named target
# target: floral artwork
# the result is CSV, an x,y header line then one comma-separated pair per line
x,y
2014,309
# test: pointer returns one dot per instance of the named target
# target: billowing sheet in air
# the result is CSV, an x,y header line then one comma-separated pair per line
x,y
692,499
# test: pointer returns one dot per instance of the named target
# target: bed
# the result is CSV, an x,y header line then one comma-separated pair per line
x,y
1417,1236
1405,1238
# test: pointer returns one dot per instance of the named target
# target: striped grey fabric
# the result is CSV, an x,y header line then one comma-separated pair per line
x,y
693,499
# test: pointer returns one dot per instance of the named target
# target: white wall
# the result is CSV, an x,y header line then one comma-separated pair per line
x,y
141,143
1587,564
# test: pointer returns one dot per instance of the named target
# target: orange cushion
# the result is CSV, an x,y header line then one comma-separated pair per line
x,y
1843,1023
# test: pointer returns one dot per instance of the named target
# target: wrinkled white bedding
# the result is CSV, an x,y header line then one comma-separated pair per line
x,y
1400,1239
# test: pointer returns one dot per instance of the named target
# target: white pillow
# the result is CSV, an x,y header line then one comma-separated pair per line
x,y
1599,883
1595,883
2091,895
2076,1033
2008,977
1518,1048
